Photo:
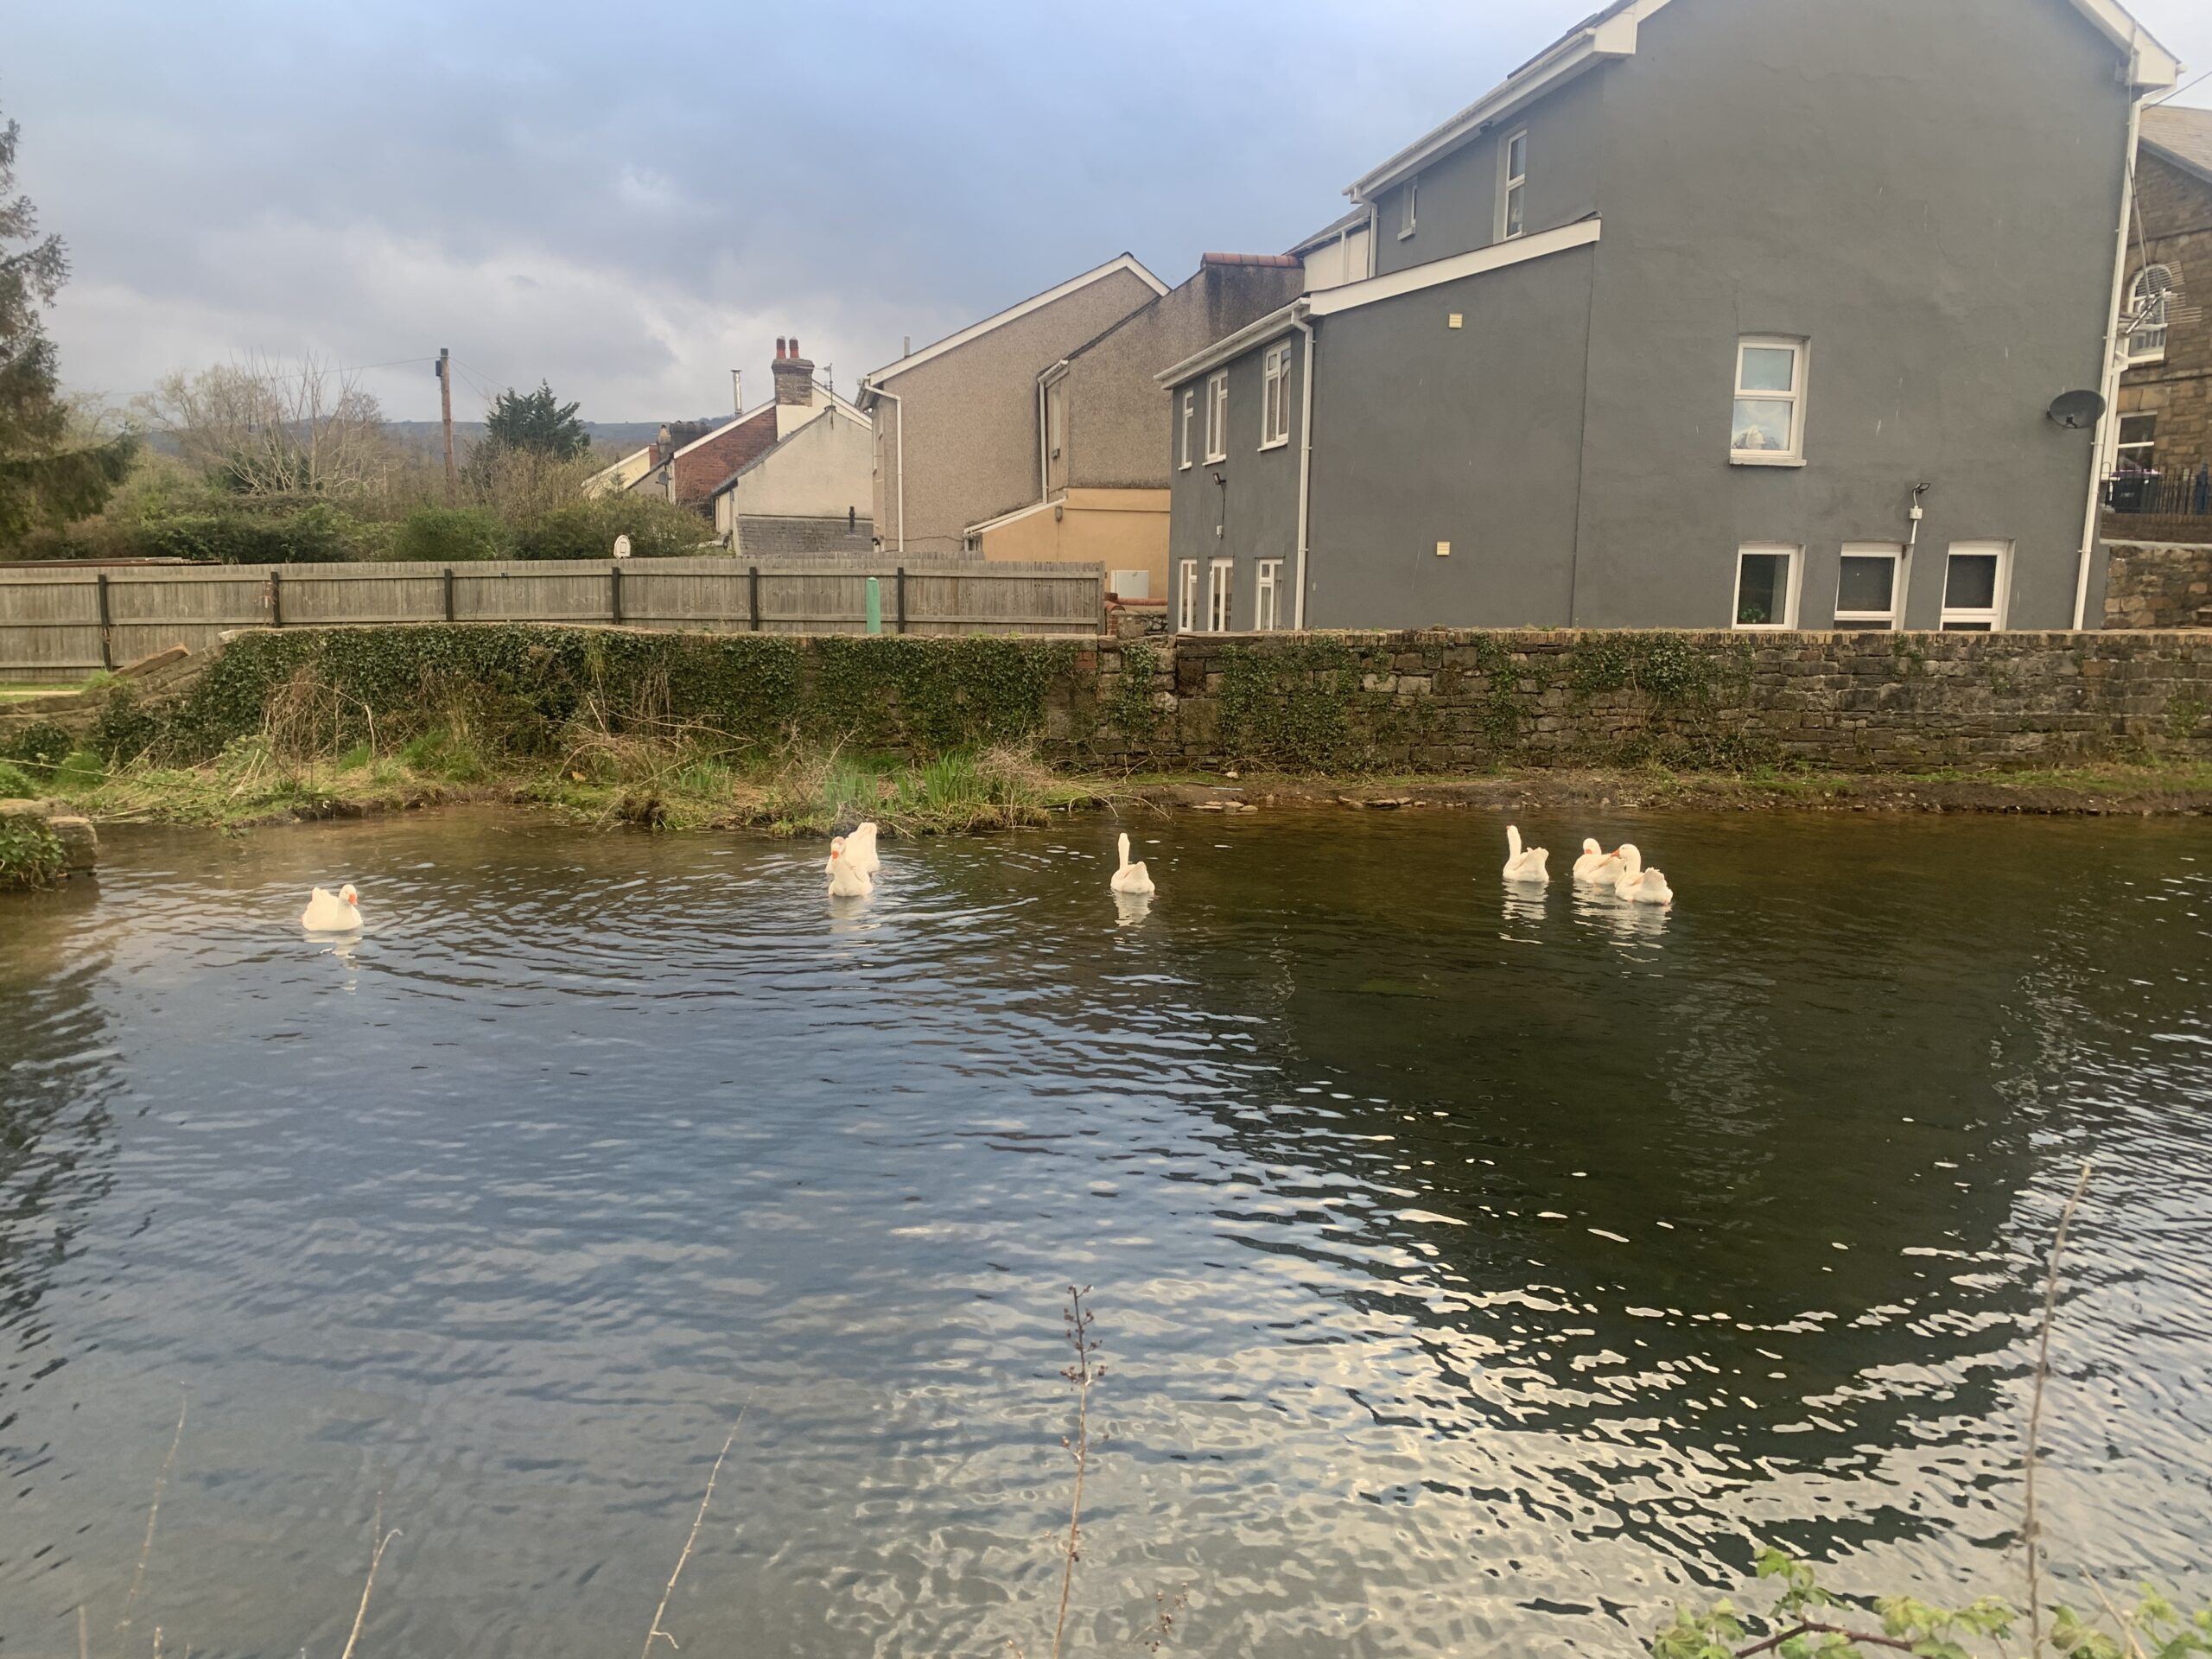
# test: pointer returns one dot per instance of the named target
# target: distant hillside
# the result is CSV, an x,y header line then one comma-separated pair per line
x,y
621,436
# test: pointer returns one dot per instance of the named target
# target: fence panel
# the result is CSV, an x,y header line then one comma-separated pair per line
x,y
52,621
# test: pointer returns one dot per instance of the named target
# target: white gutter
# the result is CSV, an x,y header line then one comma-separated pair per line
x,y
867,391
1304,468
2108,382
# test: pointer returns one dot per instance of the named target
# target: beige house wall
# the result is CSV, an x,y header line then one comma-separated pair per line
x,y
820,472
970,417
1121,530
1116,428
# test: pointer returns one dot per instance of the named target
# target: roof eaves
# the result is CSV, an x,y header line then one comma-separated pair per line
x,y
1234,345
1128,262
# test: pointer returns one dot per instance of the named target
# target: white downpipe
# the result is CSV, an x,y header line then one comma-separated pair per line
x,y
1304,464
2108,382
899,462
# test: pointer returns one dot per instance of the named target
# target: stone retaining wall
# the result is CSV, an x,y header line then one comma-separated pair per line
x,y
1457,701
2160,584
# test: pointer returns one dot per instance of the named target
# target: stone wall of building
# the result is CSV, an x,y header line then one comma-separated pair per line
x,y
2154,585
1458,701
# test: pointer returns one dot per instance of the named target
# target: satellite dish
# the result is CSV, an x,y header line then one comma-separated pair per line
x,y
2076,410
622,544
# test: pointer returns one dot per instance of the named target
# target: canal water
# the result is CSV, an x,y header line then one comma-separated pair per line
x,y
1476,1274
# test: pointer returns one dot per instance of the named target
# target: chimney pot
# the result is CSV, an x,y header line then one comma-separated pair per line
x,y
779,348
794,344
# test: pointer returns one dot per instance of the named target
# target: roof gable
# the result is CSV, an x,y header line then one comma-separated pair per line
x,y
1611,35
1126,262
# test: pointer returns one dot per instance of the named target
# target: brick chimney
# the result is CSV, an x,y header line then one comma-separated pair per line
x,y
794,374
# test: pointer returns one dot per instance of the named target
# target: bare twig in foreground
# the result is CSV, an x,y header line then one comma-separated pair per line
x,y
376,1560
1083,1373
697,1520
2030,1518
153,1514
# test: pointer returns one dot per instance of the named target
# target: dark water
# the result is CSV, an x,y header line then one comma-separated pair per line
x,y
1476,1276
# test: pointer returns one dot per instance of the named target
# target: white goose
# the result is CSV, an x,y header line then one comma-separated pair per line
x,y
1529,865
1596,864
1638,885
1132,879
847,878
859,847
333,913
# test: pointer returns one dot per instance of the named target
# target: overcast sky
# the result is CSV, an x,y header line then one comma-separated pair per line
x,y
630,201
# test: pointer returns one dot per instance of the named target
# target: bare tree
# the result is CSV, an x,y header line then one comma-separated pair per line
x,y
262,428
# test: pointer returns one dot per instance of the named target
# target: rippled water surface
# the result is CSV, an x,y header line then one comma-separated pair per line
x,y
1475,1274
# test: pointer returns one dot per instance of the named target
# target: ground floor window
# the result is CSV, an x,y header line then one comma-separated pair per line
x,y
1766,585
1221,589
1186,596
1974,581
1868,588
1267,598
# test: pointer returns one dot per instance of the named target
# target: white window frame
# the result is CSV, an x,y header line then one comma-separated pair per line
x,y
2142,451
1186,592
1800,368
1409,210
1190,419
2147,314
1267,596
1054,420
1512,188
1991,620
1221,596
1275,399
1873,622
1788,619
1218,415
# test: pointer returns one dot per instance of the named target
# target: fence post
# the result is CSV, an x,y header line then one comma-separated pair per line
x,y
449,586
107,647
276,599
871,606
615,593
902,599
752,595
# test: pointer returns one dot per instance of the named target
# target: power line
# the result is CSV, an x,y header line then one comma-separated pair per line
x,y
2167,98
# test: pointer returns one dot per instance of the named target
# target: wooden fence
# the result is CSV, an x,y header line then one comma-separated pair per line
x,y
63,623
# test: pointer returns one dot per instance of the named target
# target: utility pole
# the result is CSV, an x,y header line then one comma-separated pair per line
x,y
445,410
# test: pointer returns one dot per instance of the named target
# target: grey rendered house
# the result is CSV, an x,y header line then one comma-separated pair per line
x,y
1717,313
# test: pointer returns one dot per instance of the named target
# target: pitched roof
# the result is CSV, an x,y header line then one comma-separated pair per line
x,y
1330,232
1610,34
2181,135
1128,262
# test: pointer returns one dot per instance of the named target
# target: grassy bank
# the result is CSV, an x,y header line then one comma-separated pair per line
x,y
690,785
608,780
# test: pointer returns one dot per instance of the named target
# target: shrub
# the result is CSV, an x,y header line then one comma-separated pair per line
x,y
31,854
446,535
14,785
587,529
317,534
41,747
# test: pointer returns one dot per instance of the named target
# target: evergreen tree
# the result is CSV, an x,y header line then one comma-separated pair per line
x,y
535,421
54,464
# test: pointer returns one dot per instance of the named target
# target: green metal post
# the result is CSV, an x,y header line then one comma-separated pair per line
x,y
875,605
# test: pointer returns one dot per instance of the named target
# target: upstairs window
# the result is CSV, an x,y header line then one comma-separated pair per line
x,y
1275,398
1513,189
1866,588
1768,428
1974,582
1217,416
1409,207
2148,296
1189,418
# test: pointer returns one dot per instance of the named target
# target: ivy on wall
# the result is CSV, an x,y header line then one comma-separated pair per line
x,y
518,688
